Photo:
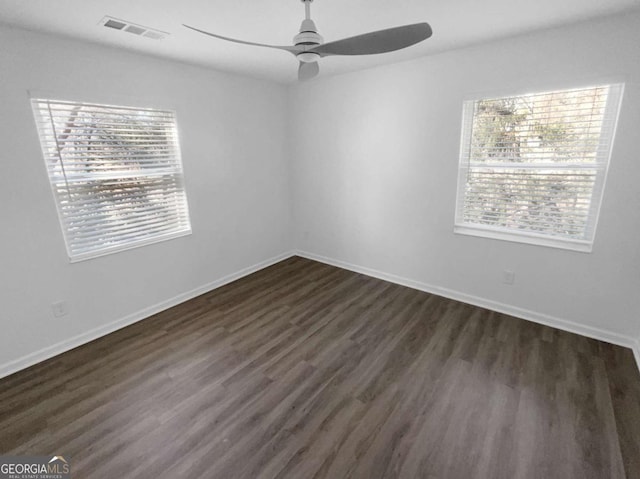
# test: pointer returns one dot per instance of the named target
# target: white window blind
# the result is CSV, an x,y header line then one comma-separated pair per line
x,y
533,167
116,174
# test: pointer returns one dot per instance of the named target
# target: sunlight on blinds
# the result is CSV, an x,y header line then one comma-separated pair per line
x,y
116,174
534,165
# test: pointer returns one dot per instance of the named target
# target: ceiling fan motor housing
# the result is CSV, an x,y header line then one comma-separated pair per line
x,y
308,37
308,34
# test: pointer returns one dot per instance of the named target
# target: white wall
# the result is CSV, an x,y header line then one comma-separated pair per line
x,y
375,157
233,139
368,160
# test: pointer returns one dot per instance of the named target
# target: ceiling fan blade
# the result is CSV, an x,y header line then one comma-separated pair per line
x,y
279,47
307,71
382,41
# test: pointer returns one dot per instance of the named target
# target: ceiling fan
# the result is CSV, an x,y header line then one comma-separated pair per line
x,y
308,45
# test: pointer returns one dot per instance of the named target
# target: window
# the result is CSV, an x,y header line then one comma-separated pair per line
x,y
116,175
533,167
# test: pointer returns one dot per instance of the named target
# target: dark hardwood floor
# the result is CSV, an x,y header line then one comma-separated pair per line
x,y
303,371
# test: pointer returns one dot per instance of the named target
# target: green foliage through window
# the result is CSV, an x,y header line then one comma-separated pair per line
x,y
535,164
116,174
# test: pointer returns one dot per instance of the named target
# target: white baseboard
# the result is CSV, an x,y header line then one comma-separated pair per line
x,y
58,348
636,352
536,317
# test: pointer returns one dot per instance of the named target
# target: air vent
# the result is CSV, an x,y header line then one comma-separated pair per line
x,y
132,28
153,35
135,30
114,24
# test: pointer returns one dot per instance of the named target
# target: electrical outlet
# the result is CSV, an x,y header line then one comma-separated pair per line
x,y
60,308
508,277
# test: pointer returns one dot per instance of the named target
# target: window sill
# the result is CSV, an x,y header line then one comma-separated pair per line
x,y
527,238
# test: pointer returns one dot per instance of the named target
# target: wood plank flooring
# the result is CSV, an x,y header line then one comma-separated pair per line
x,y
303,371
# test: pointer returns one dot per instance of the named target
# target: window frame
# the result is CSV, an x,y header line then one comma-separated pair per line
x,y
122,104
612,112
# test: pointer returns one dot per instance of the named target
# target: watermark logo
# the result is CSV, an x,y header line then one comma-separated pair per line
x,y
34,467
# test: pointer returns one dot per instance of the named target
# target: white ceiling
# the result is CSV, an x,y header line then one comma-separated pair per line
x,y
455,23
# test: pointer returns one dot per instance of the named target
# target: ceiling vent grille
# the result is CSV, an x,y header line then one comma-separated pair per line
x,y
133,28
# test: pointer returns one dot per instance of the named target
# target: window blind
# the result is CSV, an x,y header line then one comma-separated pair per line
x,y
116,175
533,167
